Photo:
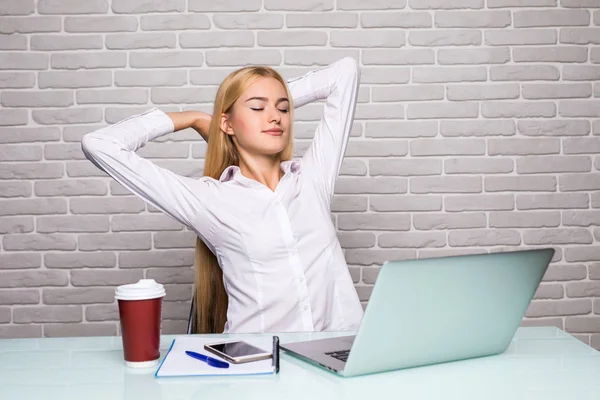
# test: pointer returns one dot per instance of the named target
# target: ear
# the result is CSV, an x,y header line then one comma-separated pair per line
x,y
225,125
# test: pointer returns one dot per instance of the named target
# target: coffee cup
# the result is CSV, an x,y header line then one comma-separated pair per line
x,y
140,308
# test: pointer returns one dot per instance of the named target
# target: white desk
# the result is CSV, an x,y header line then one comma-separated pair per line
x,y
541,363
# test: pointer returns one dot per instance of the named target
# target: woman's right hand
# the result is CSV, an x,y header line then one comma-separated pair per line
x,y
197,120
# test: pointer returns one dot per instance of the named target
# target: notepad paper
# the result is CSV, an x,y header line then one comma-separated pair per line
x,y
177,363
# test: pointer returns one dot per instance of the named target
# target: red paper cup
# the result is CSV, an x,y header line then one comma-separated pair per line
x,y
140,306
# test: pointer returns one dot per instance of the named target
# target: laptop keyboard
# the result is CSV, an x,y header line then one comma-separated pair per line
x,y
341,355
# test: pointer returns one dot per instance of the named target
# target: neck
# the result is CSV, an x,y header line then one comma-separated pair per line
x,y
263,169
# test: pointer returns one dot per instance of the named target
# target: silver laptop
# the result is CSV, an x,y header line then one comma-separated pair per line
x,y
435,310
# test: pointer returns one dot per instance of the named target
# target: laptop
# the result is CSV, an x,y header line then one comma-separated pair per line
x,y
434,310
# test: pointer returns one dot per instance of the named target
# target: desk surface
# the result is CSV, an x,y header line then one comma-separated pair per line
x,y
541,363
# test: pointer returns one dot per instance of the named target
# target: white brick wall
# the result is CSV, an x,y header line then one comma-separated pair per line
x,y
477,129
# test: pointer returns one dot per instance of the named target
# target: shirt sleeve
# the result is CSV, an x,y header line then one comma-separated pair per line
x,y
112,149
338,84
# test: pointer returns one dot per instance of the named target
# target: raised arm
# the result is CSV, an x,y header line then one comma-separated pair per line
x,y
338,84
112,149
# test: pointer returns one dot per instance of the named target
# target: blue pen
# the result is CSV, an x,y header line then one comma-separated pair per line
x,y
213,362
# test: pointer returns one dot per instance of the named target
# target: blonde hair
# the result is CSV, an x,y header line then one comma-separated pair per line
x,y
210,295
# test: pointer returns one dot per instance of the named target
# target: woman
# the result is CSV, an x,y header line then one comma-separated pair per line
x,y
267,255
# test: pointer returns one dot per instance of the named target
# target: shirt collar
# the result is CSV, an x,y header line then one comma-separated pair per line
x,y
292,166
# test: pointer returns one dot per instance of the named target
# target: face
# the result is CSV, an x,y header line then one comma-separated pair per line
x,y
260,120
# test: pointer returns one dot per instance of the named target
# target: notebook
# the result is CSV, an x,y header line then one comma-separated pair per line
x,y
177,364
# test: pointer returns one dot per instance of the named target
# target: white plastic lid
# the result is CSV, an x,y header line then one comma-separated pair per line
x,y
142,290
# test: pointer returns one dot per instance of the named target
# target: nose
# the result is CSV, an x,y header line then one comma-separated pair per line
x,y
273,114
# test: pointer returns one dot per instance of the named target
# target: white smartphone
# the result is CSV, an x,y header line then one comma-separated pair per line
x,y
237,352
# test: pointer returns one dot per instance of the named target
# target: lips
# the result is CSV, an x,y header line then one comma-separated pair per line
x,y
274,132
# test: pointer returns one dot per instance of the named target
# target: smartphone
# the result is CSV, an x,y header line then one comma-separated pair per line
x,y
237,352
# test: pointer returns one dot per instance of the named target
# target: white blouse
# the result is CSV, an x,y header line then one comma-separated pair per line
x,y
283,266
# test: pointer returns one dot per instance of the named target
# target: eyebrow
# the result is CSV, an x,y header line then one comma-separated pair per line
x,y
265,99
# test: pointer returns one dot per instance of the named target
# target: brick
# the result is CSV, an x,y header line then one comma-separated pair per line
x,y
174,240
115,241
371,256
449,74
147,6
359,185
442,110
444,5
399,167
182,95
556,91
80,260
50,98
171,275
80,330
556,127
71,187
558,236
474,56
550,54
407,93
441,147
565,272
48,42
223,5
579,182
72,7
247,21
537,183
377,111
101,24
218,39
451,184
175,22
74,79
524,73
520,3
580,35
484,237
405,203
243,57
14,189
150,78
41,314
579,108
19,296
392,19
33,206
77,295
551,18
17,7
67,116
579,3
549,308
477,166
483,92
68,224
373,222
405,57
89,60
356,240
582,253
13,225
580,218
594,273
546,164
523,219
436,221
552,201
581,72
353,168
412,240
35,170
479,202
472,19
583,289
13,42
166,59
595,56
448,252
39,242
23,61
597,18
549,291
516,37
580,324
168,258
349,203
468,128
401,129
20,261
128,41
35,278
523,146
112,96
102,312
349,38
494,109
330,19
306,5
13,80
544,322
21,153
30,24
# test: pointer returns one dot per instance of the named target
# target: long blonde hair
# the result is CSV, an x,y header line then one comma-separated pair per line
x,y
210,295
